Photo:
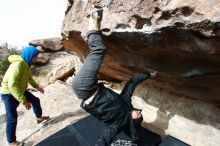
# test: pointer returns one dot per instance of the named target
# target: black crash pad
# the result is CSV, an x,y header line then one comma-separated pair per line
x,y
86,131
171,141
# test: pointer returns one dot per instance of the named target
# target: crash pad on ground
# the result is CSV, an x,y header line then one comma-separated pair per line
x,y
86,131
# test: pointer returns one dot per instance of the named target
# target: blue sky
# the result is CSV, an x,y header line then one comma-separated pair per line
x,y
24,20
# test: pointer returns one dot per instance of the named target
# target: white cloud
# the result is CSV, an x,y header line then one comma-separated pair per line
x,y
24,20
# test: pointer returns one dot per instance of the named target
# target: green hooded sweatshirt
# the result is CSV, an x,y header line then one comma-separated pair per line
x,y
16,78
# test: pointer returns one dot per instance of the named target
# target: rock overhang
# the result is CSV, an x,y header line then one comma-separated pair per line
x,y
180,41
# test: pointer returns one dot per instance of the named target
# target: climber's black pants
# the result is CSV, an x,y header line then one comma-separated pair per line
x,y
86,82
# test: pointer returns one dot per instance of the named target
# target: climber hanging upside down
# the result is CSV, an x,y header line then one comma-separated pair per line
x,y
114,109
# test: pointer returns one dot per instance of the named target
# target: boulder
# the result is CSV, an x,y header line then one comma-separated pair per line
x,y
59,66
50,44
77,67
43,58
178,39
61,72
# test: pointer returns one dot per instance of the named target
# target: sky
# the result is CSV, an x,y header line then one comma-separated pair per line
x,y
22,21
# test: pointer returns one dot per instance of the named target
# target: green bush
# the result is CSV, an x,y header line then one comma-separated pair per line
x,y
3,65
5,52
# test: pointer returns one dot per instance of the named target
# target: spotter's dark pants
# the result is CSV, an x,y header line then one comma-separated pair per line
x,y
11,105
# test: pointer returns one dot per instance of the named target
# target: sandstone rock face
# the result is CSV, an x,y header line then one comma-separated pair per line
x,y
178,39
43,58
77,66
50,44
59,66
61,72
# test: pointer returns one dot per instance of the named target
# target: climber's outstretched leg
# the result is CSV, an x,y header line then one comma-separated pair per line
x,y
86,82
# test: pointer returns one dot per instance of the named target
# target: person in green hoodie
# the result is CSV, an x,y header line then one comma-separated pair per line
x,y
13,90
